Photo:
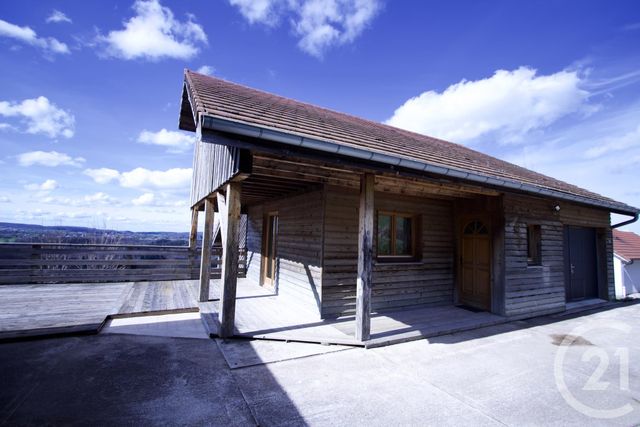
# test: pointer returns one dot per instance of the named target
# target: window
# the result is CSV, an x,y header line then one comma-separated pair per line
x,y
396,236
533,245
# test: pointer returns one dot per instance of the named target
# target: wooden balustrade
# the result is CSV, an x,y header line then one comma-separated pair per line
x,y
65,263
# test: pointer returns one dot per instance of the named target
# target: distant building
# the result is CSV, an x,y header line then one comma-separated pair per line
x,y
626,262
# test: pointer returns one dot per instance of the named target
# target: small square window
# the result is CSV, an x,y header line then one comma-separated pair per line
x,y
396,237
534,244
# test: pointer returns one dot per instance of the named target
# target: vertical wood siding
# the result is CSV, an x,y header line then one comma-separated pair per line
x,y
537,290
213,165
298,247
429,281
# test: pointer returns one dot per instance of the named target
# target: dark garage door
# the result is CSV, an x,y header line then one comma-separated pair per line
x,y
581,263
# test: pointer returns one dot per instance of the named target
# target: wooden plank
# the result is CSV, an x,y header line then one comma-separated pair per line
x,y
433,274
365,258
193,233
230,226
205,260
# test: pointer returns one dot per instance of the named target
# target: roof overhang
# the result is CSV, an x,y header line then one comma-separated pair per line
x,y
188,114
621,258
191,117
288,138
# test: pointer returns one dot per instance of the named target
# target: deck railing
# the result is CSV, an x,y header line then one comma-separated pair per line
x,y
65,263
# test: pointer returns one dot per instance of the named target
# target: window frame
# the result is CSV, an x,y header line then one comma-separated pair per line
x,y
413,256
534,248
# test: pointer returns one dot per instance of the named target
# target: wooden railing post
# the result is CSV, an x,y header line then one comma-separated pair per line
x,y
365,258
205,259
229,224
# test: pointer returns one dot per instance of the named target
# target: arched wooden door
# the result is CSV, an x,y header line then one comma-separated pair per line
x,y
475,264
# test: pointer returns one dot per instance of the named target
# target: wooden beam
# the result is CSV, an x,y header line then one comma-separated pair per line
x,y
193,234
230,226
222,223
365,258
205,259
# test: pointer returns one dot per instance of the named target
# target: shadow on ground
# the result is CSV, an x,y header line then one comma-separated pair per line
x,y
122,379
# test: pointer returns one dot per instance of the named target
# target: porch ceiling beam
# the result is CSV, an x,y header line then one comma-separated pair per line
x,y
230,225
321,172
365,258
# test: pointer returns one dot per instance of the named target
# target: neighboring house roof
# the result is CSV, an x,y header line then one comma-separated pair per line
x,y
206,96
626,244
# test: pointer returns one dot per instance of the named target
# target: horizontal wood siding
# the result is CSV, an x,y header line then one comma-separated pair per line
x,y
254,242
213,165
537,290
429,281
298,247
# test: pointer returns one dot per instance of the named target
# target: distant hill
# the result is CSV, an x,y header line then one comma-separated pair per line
x,y
31,233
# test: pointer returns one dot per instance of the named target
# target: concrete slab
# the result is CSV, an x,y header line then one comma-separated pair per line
x,y
118,380
499,375
243,353
181,325
355,387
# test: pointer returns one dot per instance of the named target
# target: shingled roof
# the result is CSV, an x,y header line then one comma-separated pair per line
x,y
209,97
626,244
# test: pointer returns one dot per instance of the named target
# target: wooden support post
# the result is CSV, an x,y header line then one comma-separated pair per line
x,y
193,234
205,259
229,226
365,258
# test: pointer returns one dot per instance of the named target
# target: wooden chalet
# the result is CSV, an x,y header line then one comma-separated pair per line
x,y
344,216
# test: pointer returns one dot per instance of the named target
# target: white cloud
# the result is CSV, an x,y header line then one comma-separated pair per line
x,y
149,199
98,198
174,141
41,117
324,23
102,175
57,17
175,178
260,11
50,158
611,144
319,24
4,199
145,178
509,104
154,34
206,69
145,199
30,37
48,185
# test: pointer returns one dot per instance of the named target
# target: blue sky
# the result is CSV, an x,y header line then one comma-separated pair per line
x,y
89,91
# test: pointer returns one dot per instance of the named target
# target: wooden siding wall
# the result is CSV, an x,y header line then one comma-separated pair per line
x,y
298,247
427,282
537,290
213,165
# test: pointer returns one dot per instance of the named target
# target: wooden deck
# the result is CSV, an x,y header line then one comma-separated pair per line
x,y
262,315
40,310
51,309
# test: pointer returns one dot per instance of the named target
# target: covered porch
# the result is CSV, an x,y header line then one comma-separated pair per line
x,y
323,257
261,314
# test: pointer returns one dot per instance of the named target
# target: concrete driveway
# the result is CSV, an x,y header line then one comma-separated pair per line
x,y
552,371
